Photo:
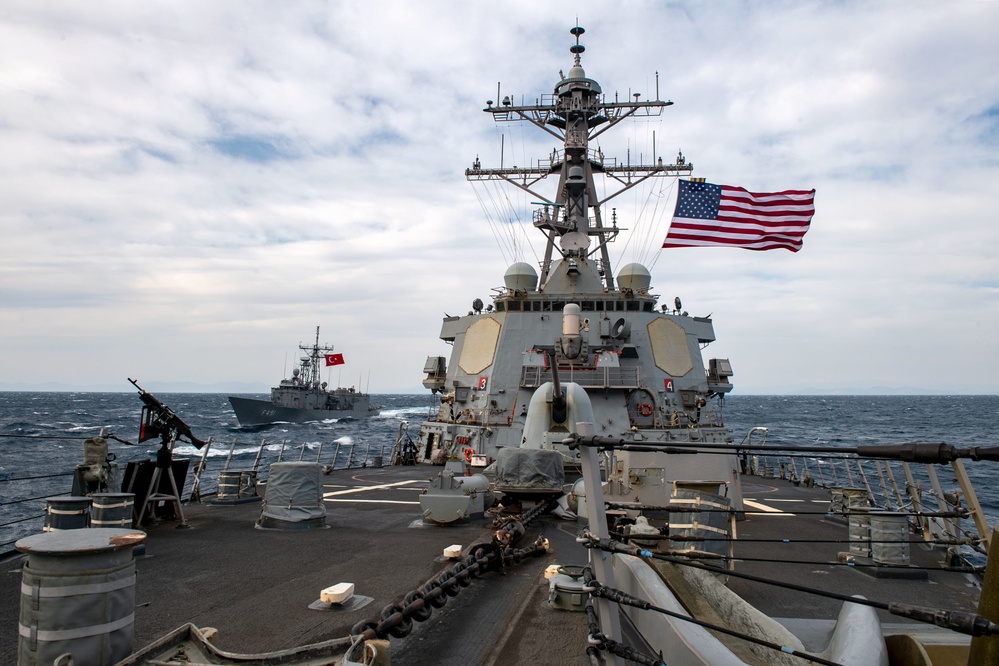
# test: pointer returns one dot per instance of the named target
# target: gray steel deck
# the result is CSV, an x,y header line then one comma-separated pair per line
x,y
255,586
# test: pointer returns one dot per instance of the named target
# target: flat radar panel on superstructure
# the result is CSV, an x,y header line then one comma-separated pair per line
x,y
669,347
479,347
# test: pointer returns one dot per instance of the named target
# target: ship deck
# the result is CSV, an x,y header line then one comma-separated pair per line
x,y
255,586
816,541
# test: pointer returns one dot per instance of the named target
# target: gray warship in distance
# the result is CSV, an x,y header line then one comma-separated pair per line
x,y
304,397
640,362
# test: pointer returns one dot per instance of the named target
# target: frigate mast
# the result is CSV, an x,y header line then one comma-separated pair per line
x,y
310,365
577,113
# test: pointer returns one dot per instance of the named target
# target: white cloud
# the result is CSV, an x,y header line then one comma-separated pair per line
x,y
189,188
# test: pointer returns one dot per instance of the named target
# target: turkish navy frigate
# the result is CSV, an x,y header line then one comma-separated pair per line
x,y
639,361
305,397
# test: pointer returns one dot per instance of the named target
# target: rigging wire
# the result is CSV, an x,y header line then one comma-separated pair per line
x,y
649,200
506,219
596,588
701,539
515,222
5,477
22,520
512,217
73,436
661,232
644,225
963,622
494,225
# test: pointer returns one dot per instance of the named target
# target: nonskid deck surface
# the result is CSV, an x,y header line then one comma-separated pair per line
x,y
781,514
255,586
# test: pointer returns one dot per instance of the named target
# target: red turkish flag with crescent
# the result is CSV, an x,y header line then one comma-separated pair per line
x,y
334,359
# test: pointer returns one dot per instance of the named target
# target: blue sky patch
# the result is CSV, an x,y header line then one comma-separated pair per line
x,y
249,148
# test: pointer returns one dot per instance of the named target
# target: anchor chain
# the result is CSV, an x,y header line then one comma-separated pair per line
x,y
396,620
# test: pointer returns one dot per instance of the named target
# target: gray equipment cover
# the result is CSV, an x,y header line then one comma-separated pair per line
x,y
529,468
294,492
78,596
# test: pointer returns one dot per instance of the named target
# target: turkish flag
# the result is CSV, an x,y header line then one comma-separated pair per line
x,y
334,359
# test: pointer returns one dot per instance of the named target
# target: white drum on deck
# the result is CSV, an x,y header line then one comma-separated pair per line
x,y
112,510
67,512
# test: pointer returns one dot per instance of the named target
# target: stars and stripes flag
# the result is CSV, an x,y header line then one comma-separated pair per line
x,y
334,359
708,214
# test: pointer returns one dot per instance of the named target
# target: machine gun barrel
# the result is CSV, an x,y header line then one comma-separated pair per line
x,y
150,399
158,419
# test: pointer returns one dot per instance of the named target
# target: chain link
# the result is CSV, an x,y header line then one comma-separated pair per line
x,y
396,619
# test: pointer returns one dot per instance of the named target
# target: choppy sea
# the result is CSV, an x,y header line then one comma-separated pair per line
x,y
41,436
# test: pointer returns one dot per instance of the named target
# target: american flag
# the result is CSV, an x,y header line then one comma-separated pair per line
x,y
708,214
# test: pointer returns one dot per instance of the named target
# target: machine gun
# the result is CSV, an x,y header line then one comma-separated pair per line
x,y
158,420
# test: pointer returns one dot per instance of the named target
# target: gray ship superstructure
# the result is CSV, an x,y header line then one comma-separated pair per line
x,y
639,361
305,397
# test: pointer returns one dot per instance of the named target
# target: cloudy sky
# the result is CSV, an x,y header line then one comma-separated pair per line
x,y
187,189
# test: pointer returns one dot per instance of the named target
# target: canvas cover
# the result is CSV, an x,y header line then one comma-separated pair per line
x,y
529,468
294,492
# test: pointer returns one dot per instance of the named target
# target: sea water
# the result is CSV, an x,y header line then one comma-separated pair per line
x,y
42,434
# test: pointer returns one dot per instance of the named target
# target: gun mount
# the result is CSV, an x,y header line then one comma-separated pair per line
x,y
158,420
558,396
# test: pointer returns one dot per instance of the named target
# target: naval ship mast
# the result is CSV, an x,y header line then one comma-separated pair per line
x,y
639,362
577,113
311,370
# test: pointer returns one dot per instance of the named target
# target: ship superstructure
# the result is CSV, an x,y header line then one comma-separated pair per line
x,y
639,361
305,396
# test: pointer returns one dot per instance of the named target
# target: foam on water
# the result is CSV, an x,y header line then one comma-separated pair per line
x,y
825,420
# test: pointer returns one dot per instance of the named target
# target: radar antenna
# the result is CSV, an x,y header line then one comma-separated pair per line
x,y
576,113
